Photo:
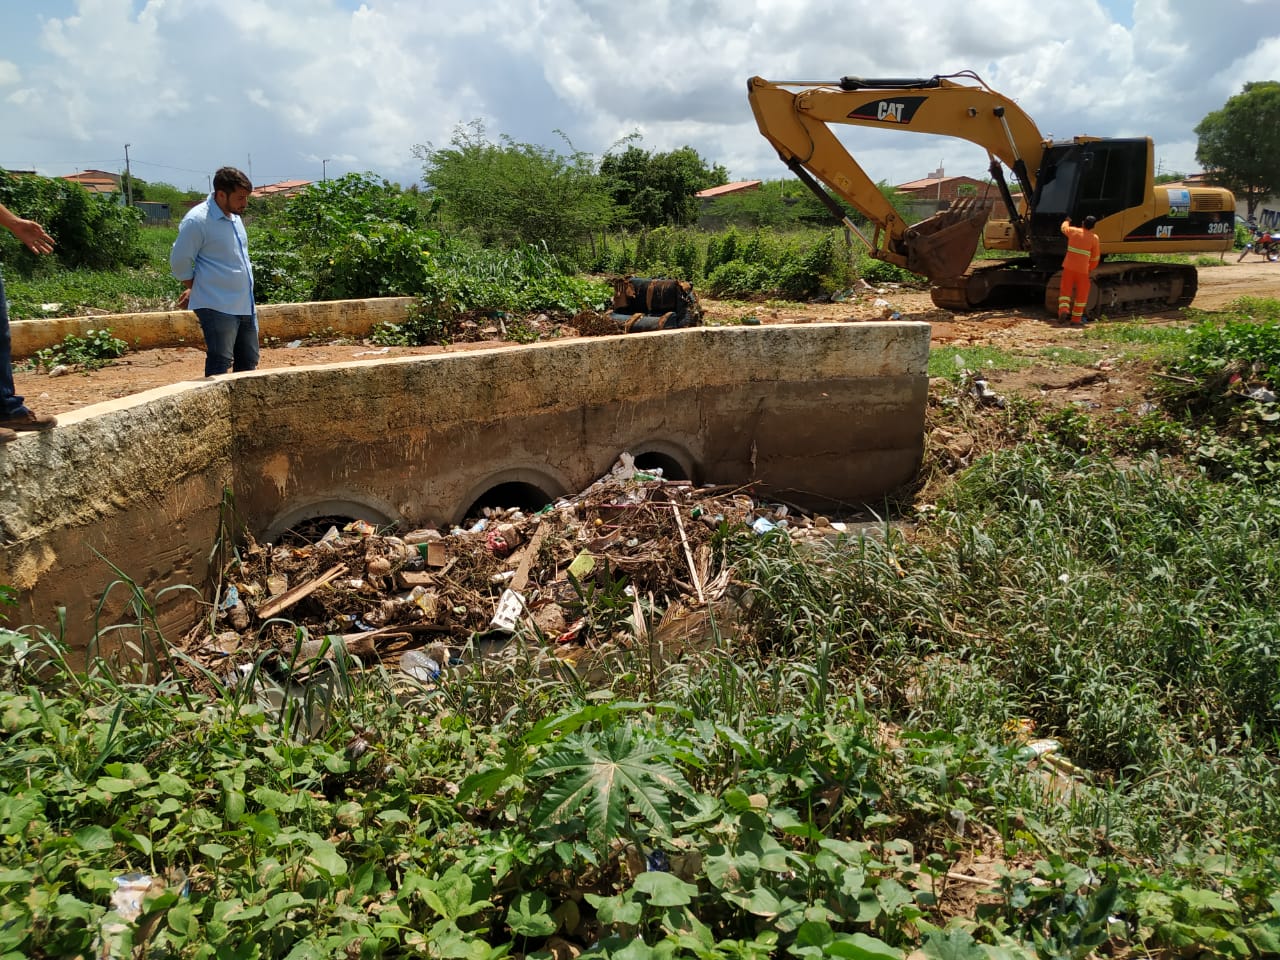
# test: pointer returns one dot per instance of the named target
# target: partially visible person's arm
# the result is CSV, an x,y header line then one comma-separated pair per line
x,y
182,258
28,231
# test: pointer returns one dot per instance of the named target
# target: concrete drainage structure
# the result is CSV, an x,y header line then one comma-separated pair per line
x,y
820,415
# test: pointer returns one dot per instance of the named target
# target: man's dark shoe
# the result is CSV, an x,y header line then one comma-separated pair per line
x,y
27,420
7,436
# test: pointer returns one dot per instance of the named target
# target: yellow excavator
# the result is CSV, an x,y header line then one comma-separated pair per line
x,y
1110,179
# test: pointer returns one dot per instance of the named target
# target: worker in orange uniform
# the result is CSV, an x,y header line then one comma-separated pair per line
x,y
1083,254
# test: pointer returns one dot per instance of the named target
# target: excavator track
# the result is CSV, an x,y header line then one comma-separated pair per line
x,y
1119,288
999,283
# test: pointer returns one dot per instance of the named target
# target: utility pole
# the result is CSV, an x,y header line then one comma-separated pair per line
x,y
128,179
324,170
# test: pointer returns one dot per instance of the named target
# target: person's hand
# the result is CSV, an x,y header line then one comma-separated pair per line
x,y
184,298
33,235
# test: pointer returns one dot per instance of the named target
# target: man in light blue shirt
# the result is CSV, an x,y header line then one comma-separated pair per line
x,y
211,258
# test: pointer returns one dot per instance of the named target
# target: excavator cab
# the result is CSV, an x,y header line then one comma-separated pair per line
x,y
1083,178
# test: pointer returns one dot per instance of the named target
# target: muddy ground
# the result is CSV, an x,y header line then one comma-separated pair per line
x,y
1019,331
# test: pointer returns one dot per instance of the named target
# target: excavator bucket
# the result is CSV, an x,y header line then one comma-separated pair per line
x,y
942,247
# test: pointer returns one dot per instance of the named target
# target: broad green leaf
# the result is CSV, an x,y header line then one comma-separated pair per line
x,y
17,812
73,908
270,799
1264,937
182,920
94,837
637,949
172,785
600,776
16,875
214,851
530,915
617,910
953,943
233,805
757,900
859,946
1200,901
893,896
115,785
325,856
665,890
812,939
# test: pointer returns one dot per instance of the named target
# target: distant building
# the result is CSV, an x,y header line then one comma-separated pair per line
x,y
938,187
153,214
285,188
938,191
96,181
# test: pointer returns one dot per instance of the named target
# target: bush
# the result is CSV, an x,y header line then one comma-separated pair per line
x,y
386,259
89,230
97,348
736,280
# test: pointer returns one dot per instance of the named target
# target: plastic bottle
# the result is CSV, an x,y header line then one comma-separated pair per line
x,y
419,666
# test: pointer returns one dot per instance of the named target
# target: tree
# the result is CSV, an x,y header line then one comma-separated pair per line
x,y
1239,145
354,236
161,192
509,193
775,203
658,189
90,231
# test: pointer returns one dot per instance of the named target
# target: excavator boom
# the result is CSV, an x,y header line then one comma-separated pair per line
x,y
795,115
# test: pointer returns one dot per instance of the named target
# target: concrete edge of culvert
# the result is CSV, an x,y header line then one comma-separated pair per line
x,y
178,328
150,484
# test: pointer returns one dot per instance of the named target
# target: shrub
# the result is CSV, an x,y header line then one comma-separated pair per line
x,y
89,231
383,260
97,348
736,279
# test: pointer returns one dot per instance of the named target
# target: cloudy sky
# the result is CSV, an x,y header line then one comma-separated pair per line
x,y
278,87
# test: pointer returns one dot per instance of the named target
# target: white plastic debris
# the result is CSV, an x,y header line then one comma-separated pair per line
x,y
510,607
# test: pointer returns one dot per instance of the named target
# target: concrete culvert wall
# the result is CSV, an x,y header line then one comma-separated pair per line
x,y
819,415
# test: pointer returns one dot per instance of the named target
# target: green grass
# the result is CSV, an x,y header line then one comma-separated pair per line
x,y
951,362
77,292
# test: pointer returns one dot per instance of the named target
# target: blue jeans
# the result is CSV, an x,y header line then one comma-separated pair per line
x,y
231,341
10,403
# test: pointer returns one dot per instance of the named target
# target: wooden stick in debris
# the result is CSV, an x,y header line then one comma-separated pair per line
x,y
526,558
965,878
688,555
357,644
290,597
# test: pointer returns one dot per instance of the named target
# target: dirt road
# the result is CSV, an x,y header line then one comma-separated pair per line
x,y
1008,329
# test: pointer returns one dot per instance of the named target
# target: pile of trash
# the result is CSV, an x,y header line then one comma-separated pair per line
x,y
564,577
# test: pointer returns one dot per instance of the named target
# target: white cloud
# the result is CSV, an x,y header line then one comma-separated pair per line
x,y
276,84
